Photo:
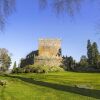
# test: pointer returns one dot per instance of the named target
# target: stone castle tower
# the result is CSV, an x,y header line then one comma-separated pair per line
x,y
49,52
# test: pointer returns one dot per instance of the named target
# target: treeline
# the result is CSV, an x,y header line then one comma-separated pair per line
x,y
89,62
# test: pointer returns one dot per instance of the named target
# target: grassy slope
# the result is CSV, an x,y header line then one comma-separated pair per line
x,y
51,86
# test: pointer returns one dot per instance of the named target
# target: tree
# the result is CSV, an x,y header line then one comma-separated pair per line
x,y
83,61
89,52
95,54
69,7
98,62
59,6
64,61
14,65
69,63
5,59
6,8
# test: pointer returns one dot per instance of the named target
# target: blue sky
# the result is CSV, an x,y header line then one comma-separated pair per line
x,y
28,23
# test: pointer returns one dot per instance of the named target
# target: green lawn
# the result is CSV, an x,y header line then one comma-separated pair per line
x,y
51,86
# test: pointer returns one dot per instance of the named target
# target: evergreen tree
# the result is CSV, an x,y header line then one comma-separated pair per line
x,y
69,63
14,65
89,53
95,54
83,61
64,62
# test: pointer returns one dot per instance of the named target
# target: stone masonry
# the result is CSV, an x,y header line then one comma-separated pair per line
x,y
49,52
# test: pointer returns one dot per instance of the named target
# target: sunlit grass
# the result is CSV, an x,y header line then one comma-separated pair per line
x,y
51,86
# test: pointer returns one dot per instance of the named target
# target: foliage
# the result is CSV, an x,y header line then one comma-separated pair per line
x,y
89,52
69,6
37,69
89,63
6,8
69,63
93,54
3,82
55,69
14,66
5,59
18,70
83,61
60,6
44,68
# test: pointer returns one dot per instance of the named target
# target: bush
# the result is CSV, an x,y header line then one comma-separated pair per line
x,y
3,82
55,69
46,69
18,70
37,69
27,69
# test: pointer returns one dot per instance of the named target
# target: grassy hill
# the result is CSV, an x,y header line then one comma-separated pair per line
x,y
51,86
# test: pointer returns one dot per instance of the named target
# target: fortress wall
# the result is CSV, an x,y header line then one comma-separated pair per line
x,y
48,61
49,47
48,52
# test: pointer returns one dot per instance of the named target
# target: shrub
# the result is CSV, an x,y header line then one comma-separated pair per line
x,y
3,82
37,69
27,69
18,70
55,69
46,69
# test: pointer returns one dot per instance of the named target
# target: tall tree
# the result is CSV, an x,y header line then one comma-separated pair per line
x,y
15,65
83,61
69,63
89,52
95,54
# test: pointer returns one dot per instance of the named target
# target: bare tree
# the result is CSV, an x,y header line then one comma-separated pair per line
x,y
6,8
59,6
5,59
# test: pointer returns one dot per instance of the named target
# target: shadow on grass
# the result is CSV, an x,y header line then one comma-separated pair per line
x,y
2,93
82,91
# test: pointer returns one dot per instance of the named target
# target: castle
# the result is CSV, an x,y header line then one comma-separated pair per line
x,y
48,53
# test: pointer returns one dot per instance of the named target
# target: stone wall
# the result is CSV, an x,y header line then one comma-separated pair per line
x,y
49,52
49,47
48,61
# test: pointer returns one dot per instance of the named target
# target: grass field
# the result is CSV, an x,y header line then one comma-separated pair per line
x,y
51,86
